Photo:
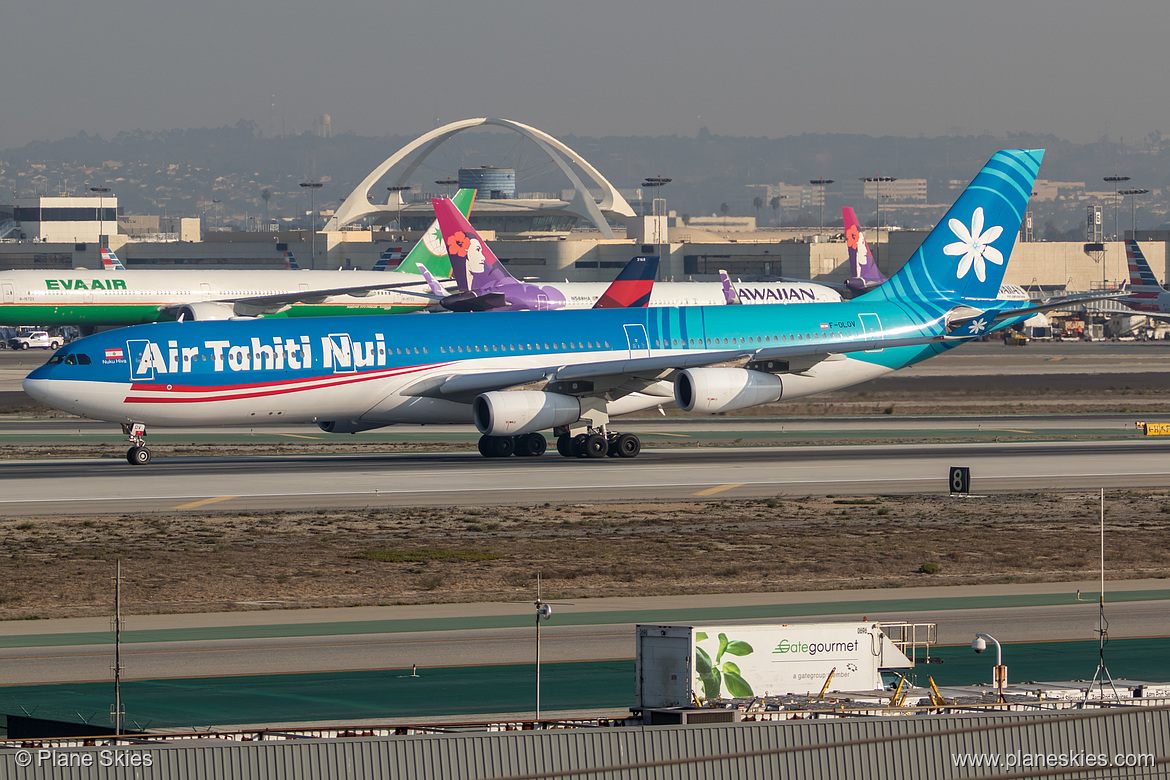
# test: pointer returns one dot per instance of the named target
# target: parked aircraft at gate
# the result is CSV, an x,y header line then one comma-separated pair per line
x,y
350,374
127,297
484,283
1144,293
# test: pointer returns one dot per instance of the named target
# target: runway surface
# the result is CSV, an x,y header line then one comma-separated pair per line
x,y
347,481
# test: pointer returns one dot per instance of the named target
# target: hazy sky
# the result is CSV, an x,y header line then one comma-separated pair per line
x,y
1076,69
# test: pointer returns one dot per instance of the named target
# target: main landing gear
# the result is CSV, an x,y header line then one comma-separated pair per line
x,y
137,455
598,444
527,445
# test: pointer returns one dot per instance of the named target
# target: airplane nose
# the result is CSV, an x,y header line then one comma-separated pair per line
x,y
55,393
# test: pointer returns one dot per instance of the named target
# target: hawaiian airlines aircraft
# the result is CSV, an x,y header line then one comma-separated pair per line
x,y
517,374
483,283
127,297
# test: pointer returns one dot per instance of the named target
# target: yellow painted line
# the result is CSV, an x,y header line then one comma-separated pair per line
x,y
299,436
680,435
717,489
204,502
1055,359
1007,430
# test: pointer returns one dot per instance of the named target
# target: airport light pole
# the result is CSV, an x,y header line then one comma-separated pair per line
x,y
979,645
1132,213
215,201
397,191
779,201
1115,180
312,187
101,193
822,183
877,180
448,183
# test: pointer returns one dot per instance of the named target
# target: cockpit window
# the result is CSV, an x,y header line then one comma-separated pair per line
x,y
72,359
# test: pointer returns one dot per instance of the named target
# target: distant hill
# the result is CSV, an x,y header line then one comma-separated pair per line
x,y
182,171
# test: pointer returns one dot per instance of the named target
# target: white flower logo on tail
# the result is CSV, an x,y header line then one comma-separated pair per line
x,y
974,245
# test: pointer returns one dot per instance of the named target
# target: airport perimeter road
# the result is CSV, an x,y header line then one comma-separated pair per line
x,y
348,481
596,630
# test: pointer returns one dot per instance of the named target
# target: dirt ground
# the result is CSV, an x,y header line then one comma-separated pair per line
x,y
185,562
61,567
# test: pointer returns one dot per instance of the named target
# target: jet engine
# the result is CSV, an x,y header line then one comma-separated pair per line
x,y
510,413
203,310
712,390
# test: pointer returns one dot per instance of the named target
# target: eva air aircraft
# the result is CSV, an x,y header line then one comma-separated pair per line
x,y
120,297
516,374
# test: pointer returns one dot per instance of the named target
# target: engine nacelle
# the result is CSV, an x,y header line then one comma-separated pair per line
x,y
712,390
348,426
204,310
510,413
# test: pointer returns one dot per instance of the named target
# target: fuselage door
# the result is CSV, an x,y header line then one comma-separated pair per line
x,y
7,293
639,344
871,324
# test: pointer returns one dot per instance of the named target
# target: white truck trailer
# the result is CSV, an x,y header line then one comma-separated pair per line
x,y
678,664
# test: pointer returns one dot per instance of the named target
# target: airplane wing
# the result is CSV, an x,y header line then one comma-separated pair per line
x,y
269,304
967,315
637,374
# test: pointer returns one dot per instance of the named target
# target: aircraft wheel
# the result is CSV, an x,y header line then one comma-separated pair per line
x,y
579,445
565,446
531,445
483,446
499,446
595,446
628,446
138,456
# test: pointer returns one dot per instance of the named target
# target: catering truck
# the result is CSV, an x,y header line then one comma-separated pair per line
x,y
677,665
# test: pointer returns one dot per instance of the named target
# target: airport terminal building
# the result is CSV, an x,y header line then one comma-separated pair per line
x,y
586,232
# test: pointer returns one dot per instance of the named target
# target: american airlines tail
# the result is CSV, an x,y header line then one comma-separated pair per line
x,y
1141,276
865,274
290,262
110,261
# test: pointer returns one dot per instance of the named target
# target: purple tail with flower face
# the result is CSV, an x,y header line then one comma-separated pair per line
x,y
865,274
473,264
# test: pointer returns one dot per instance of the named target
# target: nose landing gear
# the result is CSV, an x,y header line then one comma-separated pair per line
x,y
138,454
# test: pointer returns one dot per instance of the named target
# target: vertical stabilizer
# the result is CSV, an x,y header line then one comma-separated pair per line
x,y
632,287
964,258
431,250
864,273
110,261
1141,276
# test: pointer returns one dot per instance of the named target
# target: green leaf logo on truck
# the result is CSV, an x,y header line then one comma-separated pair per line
x,y
715,674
